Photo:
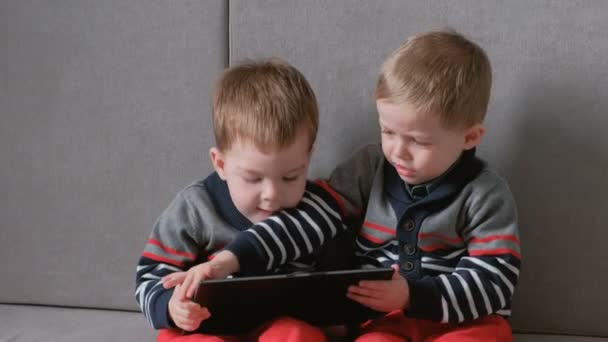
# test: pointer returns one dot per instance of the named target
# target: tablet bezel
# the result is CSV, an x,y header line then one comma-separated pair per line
x,y
240,304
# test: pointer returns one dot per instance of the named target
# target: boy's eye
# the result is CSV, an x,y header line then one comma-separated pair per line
x,y
386,131
420,143
290,178
253,180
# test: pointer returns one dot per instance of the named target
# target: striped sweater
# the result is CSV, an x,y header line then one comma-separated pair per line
x,y
200,221
458,247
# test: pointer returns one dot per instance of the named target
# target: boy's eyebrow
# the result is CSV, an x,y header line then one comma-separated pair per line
x,y
415,134
254,172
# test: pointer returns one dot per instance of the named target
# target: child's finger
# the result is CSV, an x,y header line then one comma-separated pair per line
x,y
179,292
396,274
376,285
187,283
173,279
206,313
200,313
187,324
168,282
196,280
362,291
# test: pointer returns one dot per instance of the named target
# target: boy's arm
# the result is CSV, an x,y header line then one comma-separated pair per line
x,y
171,248
319,216
483,281
288,234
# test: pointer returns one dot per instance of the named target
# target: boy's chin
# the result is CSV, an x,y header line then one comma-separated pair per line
x,y
414,180
259,216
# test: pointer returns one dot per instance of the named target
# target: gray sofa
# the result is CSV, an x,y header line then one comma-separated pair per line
x,y
104,116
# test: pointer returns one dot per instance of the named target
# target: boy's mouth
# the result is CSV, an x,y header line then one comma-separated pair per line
x,y
264,211
404,171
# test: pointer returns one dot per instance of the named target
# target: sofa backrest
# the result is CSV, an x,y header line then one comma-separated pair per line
x,y
105,116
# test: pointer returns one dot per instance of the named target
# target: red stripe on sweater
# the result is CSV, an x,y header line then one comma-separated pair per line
x,y
171,250
436,247
371,238
378,227
440,237
497,251
163,259
495,237
333,194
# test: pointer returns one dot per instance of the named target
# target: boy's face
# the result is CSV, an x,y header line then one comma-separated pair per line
x,y
417,145
262,183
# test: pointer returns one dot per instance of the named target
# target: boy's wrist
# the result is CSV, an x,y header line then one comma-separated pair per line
x,y
225,263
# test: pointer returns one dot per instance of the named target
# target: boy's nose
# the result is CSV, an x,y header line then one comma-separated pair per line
x,y
402,151
270,192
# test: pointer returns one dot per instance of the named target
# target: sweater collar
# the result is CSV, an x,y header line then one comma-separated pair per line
x,y
220,197
450,183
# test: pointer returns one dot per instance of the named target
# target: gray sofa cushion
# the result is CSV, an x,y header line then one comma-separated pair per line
x,y
49,324
52,324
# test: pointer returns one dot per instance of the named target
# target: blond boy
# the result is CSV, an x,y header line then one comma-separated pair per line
x,y
265,121
427,206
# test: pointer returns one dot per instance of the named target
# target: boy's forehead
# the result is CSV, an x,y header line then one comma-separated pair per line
x,y
392,111
248,156
407,117
268,145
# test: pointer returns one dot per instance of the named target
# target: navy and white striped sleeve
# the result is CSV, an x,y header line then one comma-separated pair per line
x,y
170,248
290,233
483,281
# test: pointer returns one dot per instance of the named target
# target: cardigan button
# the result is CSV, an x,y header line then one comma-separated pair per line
x,y
407,266
409,249
409,225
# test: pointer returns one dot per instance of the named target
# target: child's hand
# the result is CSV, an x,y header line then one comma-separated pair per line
x,y
185,313
173,279
222,265
195,275
382,295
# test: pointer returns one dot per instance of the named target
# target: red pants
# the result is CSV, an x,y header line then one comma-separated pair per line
x,y
397,327
281,329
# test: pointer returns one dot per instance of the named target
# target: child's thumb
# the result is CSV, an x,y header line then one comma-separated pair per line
x,y
396,274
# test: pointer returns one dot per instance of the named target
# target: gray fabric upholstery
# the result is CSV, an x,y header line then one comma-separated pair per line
x,y
104,116
53,324
546,126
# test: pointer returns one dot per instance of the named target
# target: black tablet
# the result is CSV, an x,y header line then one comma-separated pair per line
x,y
241,304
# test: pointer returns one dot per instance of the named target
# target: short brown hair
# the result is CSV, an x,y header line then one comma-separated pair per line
x,y
442,73
264,102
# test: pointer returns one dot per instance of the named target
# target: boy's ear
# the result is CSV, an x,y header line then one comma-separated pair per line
x,y
217,159
473,135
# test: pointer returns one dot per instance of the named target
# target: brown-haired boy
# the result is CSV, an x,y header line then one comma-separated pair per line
x,y
265,121
427,206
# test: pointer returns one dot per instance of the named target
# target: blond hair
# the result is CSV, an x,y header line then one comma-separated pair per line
x,y
441,73
267,103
